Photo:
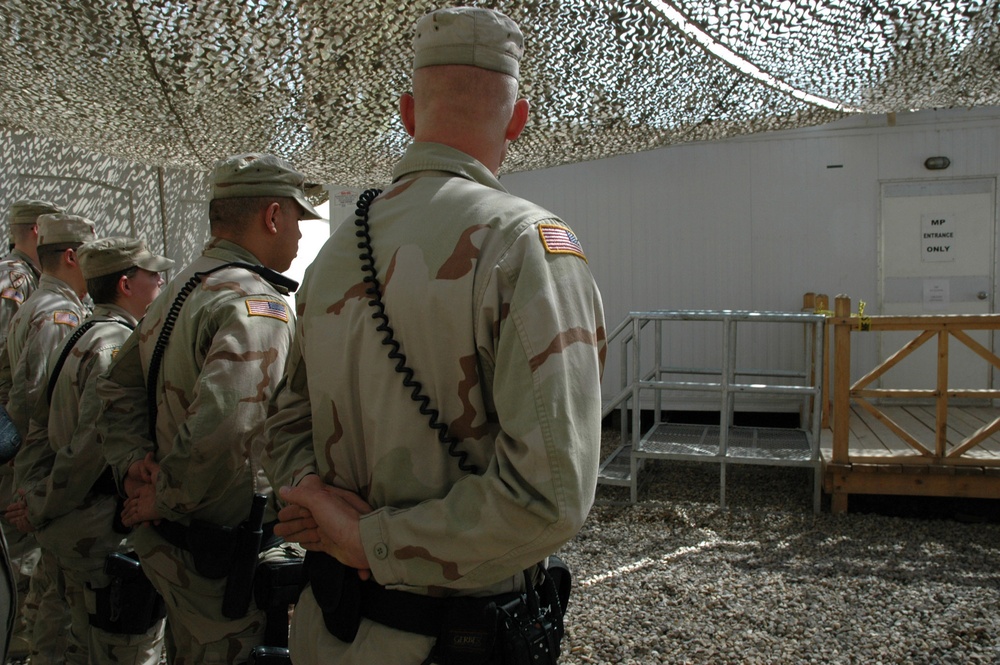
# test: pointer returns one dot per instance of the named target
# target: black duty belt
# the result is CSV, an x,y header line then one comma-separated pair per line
x,y
212,546
344,598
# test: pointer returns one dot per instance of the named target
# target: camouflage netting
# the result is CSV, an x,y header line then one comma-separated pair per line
x,y
183,82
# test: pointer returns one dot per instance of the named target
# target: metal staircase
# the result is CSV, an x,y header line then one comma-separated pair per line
x,y
647,380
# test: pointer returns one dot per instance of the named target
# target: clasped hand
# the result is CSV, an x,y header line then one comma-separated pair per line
x,y
140,491
323,518
17,514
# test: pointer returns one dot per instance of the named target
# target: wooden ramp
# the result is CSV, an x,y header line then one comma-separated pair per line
x,y
882,463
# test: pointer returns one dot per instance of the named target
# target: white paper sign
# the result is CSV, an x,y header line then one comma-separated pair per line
x,y
937,294
937,237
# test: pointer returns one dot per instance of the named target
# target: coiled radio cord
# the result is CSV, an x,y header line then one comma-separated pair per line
x,y
374,290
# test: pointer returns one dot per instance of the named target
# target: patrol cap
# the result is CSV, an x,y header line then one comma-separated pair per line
x,y
258,174
468,36
61,227
105,256
27,212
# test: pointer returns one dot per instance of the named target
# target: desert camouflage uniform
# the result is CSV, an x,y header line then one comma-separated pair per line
x,y
75,519
508,341
18,278
50,315
223,359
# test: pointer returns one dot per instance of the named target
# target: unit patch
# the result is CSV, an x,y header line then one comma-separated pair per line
x,y
66,318
560,240
12,294
17,279
274,310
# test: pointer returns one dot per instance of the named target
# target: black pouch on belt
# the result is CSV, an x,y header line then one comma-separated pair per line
x,y
470,630
212,548
337,590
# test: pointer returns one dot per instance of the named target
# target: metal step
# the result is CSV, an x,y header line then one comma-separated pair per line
x,y
681,441
616,469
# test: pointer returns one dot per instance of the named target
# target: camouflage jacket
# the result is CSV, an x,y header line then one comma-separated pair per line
x,y
18,278
68,458
220,365
504,330
45,319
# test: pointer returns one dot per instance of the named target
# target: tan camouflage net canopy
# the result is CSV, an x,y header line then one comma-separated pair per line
x,y
184,82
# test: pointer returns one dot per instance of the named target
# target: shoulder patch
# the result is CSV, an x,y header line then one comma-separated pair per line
x,y
560,240
269,308
12,294
18,279
66,318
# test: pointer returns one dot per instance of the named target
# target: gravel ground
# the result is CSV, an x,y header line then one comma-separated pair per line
x,y
674,579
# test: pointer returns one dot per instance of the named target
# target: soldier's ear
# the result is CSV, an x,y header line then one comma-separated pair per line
x,y
124,286
518,119
272,215
407,114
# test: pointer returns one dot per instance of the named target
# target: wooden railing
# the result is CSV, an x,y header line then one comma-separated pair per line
x,y
928,327
938,454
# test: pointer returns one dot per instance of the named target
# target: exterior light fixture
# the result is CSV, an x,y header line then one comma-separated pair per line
x,y
936,163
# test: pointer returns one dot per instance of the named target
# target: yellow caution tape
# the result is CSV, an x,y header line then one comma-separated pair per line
x,y
864,322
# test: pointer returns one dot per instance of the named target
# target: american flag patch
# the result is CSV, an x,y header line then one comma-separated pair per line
x,y
12,294
66,318
560,240
275,310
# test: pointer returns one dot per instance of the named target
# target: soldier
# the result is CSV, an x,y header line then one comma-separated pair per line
x,y
43,321
19,274
19,270
194,480
72,501
466,303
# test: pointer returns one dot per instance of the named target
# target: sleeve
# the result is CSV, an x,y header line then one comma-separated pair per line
x,y
123,424
288,450
244,362
6,374
30,466
76,466
29,400
8,308
540,333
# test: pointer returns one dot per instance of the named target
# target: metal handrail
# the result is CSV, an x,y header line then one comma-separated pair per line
x,y
636,377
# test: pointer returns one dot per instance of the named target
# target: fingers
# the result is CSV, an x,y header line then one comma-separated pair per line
x,y
314,498
312,481
293,511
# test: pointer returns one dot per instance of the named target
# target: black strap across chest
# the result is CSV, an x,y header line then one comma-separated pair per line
x,y
70,343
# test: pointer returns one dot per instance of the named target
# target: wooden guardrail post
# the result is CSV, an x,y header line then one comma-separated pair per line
x,y
823,307
841,394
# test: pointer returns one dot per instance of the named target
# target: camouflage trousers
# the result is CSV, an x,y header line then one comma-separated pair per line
x,y
310,643
198,633
80,542
51,625
92,646
23,551
24,554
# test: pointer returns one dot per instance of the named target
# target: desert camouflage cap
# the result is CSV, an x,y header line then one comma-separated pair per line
x,y
27,212
468,36
64,228
105,256
258,174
